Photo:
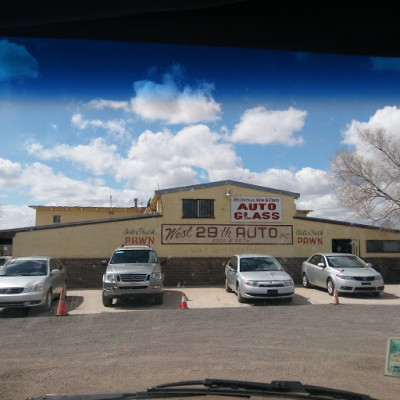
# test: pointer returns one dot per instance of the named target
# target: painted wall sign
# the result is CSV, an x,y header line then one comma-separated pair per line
x,y
227,234
309,236
139,236
256,209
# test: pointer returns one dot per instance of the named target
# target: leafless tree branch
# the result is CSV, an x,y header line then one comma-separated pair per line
x,y
369,183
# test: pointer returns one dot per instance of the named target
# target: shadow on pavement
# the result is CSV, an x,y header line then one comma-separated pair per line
x,y
297,301
23,312
73,302
172,299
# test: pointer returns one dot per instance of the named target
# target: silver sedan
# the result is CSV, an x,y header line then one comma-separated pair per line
x,y
345,272
258,276
31,282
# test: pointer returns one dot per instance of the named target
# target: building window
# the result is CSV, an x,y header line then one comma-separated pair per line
x,y
383,246
197,208
56,219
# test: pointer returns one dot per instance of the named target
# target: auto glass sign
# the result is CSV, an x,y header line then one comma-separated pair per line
x,y
256,209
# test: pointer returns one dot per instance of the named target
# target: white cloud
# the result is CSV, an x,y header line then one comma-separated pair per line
x,y
97,157
101,104
387,118
167,102
9,173
116,127
16,217
50,188
165,159
261,126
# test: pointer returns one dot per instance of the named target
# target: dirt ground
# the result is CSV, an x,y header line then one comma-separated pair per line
x,y
341,347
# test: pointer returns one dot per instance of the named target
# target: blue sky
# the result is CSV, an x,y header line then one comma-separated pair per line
x,y
82,120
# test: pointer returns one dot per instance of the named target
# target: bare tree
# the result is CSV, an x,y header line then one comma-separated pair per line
x,y
367,180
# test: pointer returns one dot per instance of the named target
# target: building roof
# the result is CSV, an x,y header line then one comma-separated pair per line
x,y
4,233
343,223
227,182
92,208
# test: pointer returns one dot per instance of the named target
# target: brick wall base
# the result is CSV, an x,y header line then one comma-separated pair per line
x,y
88,272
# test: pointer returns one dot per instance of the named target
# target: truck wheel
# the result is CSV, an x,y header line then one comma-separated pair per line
x,y
107,301
159,298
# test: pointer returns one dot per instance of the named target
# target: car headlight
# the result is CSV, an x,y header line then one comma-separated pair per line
x,y
250,283
346,278
289,282
110,278
39,287
156,276
378,277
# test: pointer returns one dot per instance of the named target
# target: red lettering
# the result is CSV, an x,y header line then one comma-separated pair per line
x,y
275,215
266,215
237,215
242,206
139,240
301,240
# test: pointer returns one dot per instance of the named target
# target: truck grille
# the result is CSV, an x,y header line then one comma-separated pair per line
x,y
133,277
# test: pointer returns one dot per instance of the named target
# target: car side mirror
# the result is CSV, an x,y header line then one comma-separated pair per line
x,y
54,271
104,263
369,265
322,265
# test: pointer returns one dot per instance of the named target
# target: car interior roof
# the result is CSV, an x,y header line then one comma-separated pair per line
x,y
349,28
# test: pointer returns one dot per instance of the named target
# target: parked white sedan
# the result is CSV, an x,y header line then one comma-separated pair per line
x,y
345,272
258,277
31,282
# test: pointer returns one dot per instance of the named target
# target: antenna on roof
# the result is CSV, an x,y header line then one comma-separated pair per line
x,y
110,212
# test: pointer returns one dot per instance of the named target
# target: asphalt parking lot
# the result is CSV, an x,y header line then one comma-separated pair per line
x,y
89,301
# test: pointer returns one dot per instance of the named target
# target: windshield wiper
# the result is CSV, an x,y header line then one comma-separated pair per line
x,y
222,387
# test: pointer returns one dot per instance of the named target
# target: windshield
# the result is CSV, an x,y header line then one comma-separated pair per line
x,y
259,264
345,262
133,256
208,154
25,268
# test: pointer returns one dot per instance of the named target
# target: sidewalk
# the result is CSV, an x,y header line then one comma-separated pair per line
x,y
88,301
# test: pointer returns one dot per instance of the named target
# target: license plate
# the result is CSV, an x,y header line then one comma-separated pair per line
x,y
273,291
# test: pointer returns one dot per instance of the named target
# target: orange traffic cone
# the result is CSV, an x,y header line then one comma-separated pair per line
x,y
335,297
62,305
183,302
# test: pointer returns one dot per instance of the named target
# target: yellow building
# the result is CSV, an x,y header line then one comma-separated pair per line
x,y
196,229
48,215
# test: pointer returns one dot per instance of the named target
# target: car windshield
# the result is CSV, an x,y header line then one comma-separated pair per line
x,y
345,262
259,264
218,157
133,256
25,268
